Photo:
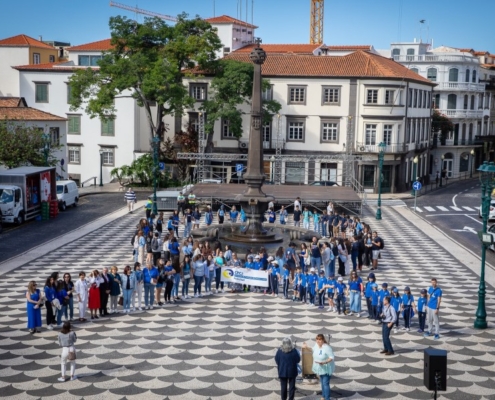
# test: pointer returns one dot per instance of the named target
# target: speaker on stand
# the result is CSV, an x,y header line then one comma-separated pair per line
x,y
435,370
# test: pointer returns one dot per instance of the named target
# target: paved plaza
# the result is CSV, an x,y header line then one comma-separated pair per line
x,y
222,346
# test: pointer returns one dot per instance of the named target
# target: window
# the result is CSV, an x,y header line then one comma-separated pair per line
x,y
108,156
453,75
431,74
226,131
74,154
389,96
409,101
51,59
198,91
410,52
74,125
55,136
368,175
294,172
372,96
395,53
467,75
226,50
297,95
452,102
472,102
89,61
474,76
266,131
108,127
387,134
370,134
41,92
415,70
267,94
194,121
415,100
331,95
328,172
329,131
295,130
36,58
69,93
437,100
466,102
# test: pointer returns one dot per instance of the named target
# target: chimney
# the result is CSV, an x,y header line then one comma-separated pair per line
x,y
61,52
40,38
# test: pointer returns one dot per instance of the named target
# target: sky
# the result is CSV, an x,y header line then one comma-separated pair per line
x,y
376,22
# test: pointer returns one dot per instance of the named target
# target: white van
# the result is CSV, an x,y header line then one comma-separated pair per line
x,y
67,194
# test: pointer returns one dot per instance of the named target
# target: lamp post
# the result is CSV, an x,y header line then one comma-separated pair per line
x,y
472,162
101,167
441,169
156,145
487,172
381,155
414,177
46,147
272,160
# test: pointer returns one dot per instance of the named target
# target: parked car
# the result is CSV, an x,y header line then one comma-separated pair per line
x,y
324,183
491,214
491,230
67,194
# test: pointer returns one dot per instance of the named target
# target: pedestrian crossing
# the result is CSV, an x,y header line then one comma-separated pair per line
x,y
445,209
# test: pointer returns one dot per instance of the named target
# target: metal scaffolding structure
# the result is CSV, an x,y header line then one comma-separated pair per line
x,y
348,165
200,161
282,157
316,23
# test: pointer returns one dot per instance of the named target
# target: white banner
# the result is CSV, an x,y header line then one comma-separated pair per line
x,y
245,276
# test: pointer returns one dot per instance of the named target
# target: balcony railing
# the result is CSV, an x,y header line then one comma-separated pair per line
x,y
436,58
273,144
460,113
373,148
464,86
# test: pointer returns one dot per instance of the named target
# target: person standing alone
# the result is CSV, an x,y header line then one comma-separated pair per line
x,y
389,316
287,358
130,198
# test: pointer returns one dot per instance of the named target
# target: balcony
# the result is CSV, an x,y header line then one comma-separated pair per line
x,y
267,145
462,86
436,58
390,148
459,113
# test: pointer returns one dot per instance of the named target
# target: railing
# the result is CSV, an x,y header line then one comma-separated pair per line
x,y
459,113
373,148
273,144
436,58
93,178
477,87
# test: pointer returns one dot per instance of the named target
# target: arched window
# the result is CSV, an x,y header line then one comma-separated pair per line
x,y
452,102
453,75
395,53
474,76
472,102
467,75
470,137
466,102
415,70
410,54
432,74
463,137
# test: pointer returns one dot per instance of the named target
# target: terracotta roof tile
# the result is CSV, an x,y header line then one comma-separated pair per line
x,y
24,41
12,102
225,19
488,66
100,45
54,67
27,114
281,48
352,47
357,64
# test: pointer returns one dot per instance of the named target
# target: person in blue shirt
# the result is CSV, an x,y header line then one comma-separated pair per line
x,y
169,273
297,283
322,281
243,215
233,214
197,218
340,289
221,214
432,309
198,272
63,298
331,282
407,308
381,295
50,295
188,222
271,216
150,279
316,222
375,299
208,216
286,279
306,216
275,276
175,223
396,303
355,291
323,224
422,310
283,216
312,281
303,282
368,290
249,264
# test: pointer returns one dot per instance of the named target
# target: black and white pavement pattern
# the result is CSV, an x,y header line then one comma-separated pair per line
x,y
223,346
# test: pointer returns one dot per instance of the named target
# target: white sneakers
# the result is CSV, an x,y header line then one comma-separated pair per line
x,y
395,330
358,315
51,328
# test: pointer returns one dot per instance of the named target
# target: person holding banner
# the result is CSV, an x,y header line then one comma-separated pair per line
x,y
275,277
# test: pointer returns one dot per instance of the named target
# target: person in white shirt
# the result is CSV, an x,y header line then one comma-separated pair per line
x,y
81,287
323,363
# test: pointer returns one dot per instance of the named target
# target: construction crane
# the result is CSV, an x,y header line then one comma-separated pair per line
x,y
316,23
141,11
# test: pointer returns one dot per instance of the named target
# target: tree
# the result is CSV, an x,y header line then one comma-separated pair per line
x,y
148,61
184,141
231,87
441,123
21,144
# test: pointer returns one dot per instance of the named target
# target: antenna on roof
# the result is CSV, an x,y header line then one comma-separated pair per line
x,y
421,23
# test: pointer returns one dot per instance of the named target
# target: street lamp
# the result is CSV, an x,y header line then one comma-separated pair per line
x,y
46,146
156,145
272,160
415,178
472,162
101,167
441,169
381,155
487,172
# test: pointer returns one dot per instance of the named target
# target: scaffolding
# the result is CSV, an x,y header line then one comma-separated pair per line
x,y
200,161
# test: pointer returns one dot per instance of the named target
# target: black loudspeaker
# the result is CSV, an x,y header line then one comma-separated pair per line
x,y
435,375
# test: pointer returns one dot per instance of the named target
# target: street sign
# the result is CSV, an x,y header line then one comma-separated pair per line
x,y
239,168
417,185
161,166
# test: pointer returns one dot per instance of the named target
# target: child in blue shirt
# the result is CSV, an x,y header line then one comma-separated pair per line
x,y
233,214
322,281
407,308
331,282
396,303
422,310
286,280
275,276
381,295
312,280
249,265
340,289
302,286
271,216
375,298
368,290
297,283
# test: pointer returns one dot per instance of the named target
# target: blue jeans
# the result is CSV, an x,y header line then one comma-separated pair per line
x,y
198,280
127,293
185,287
175,289
323,229
327,269
70,308
218,282
63,310
207,283
187,229
325,386
149,294
355,301
387,344
354,258
332,268
315,262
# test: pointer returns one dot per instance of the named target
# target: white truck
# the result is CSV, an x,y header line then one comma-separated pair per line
x,y
23,189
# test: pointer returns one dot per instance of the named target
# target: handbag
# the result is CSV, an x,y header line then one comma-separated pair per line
x,y
187,276
121,301
307,261
72,355
343,258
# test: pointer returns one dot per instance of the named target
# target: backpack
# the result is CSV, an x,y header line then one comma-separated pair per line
x,y
382,244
